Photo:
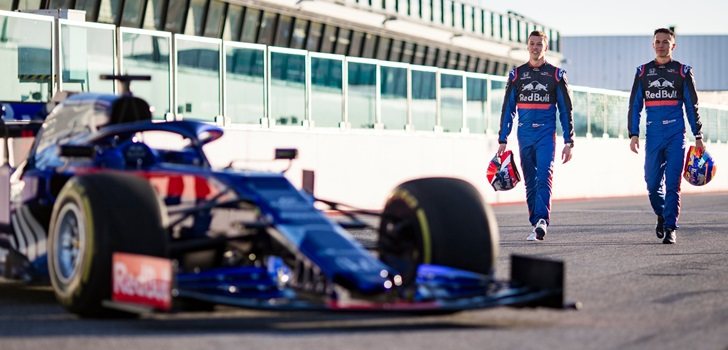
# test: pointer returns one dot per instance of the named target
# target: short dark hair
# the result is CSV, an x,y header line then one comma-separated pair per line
x,y
667,31
539,33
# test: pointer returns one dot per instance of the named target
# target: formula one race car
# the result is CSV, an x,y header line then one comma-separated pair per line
x,y
124,214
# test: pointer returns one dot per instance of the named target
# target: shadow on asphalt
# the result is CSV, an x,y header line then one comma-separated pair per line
x,y
27,312
586,243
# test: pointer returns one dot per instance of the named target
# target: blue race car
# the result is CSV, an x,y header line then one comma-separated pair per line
x,y
122,214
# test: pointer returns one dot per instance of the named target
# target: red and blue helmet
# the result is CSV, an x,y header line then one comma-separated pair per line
x,y
502,172
699,167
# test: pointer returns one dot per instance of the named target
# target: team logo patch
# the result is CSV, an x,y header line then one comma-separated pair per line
x,y
661,83
535,86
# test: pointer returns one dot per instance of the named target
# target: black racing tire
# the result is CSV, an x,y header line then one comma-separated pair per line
x,y
107,213
441,221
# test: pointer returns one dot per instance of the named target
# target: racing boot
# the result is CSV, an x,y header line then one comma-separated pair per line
x,y
660,228
670,236
540,229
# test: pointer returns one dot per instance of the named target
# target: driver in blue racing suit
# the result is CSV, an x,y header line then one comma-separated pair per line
x,y
663,86
534,90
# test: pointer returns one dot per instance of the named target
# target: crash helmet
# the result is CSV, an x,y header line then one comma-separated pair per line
x,y
502,172
699,167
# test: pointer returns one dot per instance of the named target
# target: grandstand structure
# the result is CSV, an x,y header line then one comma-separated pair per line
x,y
372,93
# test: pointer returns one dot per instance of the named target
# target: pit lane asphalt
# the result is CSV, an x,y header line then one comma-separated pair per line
x,y
636,292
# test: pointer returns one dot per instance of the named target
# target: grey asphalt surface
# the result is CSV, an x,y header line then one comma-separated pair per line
x,y
636,293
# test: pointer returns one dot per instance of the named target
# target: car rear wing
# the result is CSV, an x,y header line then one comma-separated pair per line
x,y
21,119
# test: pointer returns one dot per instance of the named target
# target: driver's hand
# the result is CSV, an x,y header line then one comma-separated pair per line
x,y
566,154
699,145
501,149
634,144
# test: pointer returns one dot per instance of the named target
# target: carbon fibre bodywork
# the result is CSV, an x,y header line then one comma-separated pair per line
x,y
237,237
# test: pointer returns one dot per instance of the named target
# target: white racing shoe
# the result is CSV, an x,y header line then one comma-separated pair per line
x,y
532,236
540,229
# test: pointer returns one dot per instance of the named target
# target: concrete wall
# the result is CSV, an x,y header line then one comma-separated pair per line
x,y
361,167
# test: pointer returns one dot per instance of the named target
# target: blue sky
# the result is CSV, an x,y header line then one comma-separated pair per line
x,y
621,17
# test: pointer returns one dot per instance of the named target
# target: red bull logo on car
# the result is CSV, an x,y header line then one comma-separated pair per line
x,y
142,280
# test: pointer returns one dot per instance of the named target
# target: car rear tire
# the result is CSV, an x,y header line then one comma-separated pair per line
x,y
440,221
93,217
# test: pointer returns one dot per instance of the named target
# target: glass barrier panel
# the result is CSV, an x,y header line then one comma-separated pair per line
x,y
497,94
244,84
288,88
457,18
327,93
389,5
451,102
25,53
448,14
580,106
705,119
414,8
716,124
86,53
147,54
477,112
424,102
617,109
709,118
723,126
362,92
487,26
198,79
426,7
394,97
505,32
597,114
437,11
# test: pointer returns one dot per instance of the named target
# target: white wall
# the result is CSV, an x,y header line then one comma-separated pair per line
x,y
360,167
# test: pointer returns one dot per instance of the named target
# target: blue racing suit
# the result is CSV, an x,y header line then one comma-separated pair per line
x,y
663,89
535,92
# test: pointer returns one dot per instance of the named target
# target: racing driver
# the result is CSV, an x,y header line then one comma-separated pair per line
x,y
663,86
535,90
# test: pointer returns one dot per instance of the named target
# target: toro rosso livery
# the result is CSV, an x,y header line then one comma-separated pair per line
x,y
663,90
535,93
124,214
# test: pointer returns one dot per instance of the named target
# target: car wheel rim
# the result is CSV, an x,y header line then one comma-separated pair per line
x,y
69,247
